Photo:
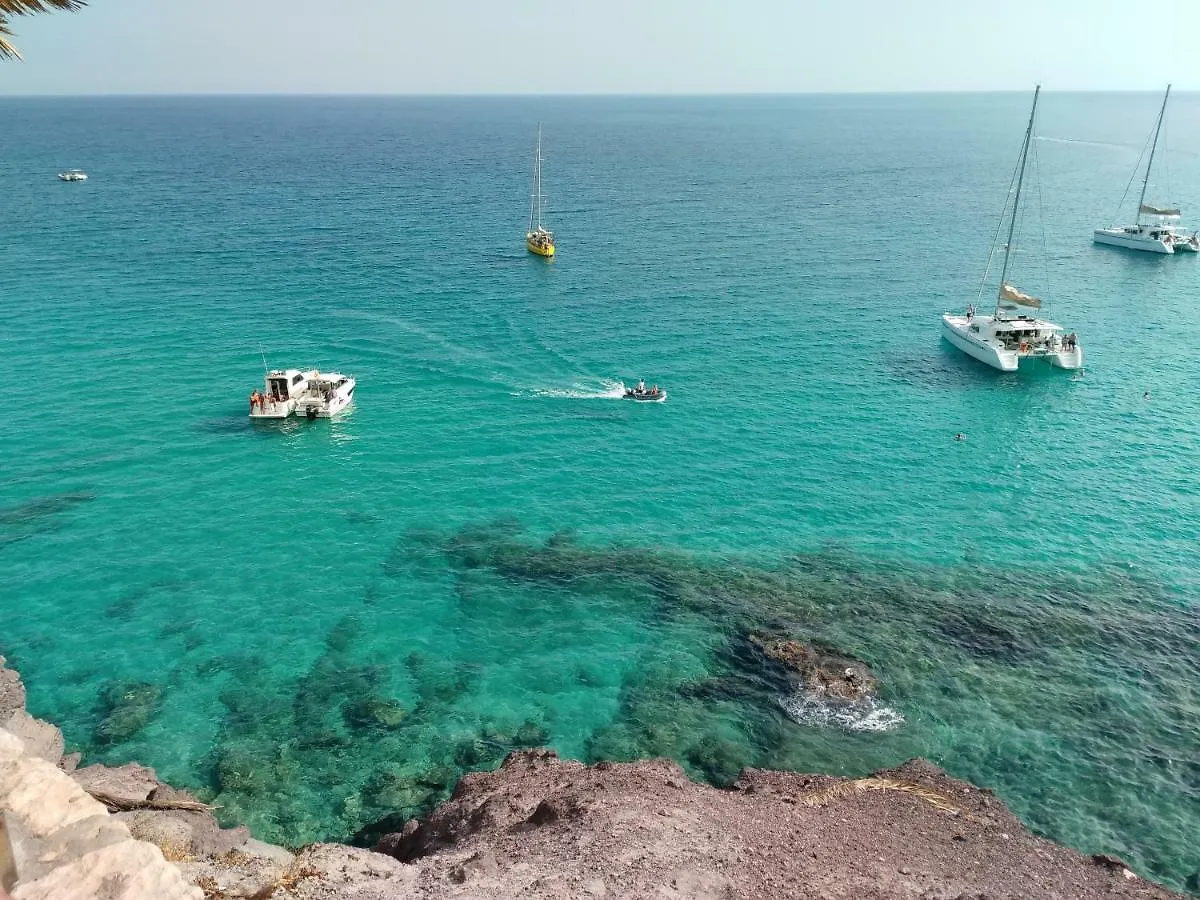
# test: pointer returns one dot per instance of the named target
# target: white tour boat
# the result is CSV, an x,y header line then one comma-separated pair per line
x,y
1159,234
73,175
327,394
1012,333
281,387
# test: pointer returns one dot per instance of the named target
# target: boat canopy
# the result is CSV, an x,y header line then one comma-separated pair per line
x,y
1011,298
1147,209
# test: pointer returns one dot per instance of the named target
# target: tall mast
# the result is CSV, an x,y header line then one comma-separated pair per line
x,y
1153,146
1012,226
535,209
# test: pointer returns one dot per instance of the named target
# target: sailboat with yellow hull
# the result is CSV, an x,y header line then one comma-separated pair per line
x,y
538,239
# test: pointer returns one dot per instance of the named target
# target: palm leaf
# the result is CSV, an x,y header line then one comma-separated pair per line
x,y
27,8
844,789
7,50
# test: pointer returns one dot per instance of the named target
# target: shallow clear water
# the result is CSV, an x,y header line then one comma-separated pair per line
x,y
323,624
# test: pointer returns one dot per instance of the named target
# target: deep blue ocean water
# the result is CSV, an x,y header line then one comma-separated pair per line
x,y
318,625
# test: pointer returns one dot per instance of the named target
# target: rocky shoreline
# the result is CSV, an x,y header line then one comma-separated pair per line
x,y
539,827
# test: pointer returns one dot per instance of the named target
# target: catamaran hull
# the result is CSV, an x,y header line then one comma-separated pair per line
x,y
1006,360
1118,238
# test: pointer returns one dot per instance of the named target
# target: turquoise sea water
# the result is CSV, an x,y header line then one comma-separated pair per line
x,y
320,625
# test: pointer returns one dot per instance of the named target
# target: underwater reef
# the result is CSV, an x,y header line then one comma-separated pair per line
x,y
539,827
1074,695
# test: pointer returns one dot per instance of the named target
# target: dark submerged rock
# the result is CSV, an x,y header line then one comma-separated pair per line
x,y
372,713
126,707
981,634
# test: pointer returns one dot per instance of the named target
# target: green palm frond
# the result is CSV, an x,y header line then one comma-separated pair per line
x,y
10,8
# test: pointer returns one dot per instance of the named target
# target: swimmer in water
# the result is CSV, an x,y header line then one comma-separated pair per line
x,y
960,437
1146,396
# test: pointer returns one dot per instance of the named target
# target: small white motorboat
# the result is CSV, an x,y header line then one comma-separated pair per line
x,y
73,175
281,387
327,394
643,394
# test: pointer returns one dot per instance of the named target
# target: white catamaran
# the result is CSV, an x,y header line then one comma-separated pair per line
x,y
1159,234
1011,334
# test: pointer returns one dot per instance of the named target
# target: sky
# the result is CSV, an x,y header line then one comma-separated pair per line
x,y
604,46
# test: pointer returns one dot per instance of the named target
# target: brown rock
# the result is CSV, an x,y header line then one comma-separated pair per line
x,y
821,671
889,836
334,872
180,833
128,784
12,692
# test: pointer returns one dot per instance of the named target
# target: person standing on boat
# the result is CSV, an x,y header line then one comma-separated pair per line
x,y
641,386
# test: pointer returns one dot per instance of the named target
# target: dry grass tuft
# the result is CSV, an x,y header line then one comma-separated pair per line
x,y
288,880
174,851
844,789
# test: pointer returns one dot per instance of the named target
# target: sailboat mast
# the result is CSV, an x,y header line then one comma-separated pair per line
x,y
537,188
535,212
1153,147
1012,226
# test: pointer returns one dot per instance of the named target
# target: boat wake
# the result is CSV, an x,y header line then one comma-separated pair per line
x,y
805,708
608,390
1108,145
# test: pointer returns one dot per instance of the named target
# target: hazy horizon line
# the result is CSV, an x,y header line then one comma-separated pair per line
x,y
466,95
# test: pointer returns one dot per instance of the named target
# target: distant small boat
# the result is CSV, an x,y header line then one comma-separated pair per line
x,y
1160,234
643,394
538,239
73,175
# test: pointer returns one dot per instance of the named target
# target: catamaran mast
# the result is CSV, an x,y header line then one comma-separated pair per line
x,y
1150,162
1012,226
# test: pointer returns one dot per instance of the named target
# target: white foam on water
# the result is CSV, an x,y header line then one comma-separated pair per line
x,y
608,390
822,712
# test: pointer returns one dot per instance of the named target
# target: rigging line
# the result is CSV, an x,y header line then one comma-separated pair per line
x,y
999,228
1166,165
1153,146
1012,225
1037,176
1132,175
